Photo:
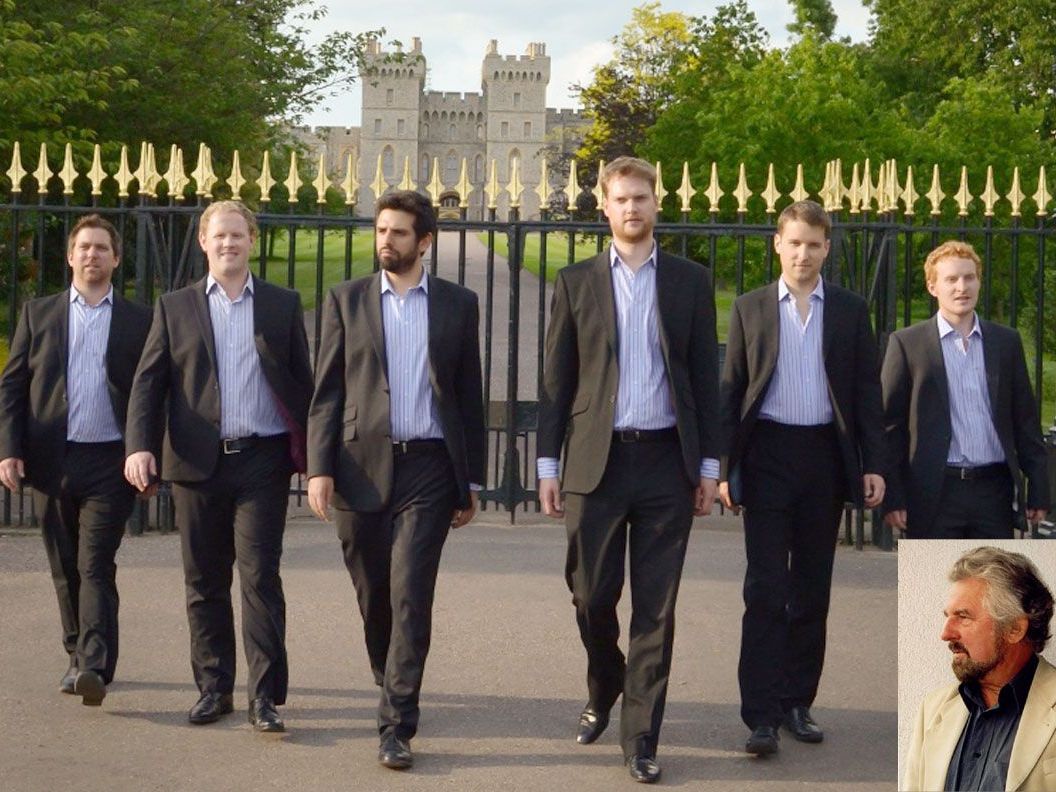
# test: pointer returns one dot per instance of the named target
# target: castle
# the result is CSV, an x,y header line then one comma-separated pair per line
x,y
507,122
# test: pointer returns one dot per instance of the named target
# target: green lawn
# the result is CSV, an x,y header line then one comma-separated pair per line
x,y
586,245
306,248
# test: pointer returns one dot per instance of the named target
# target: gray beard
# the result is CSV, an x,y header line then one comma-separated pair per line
x,y
969,670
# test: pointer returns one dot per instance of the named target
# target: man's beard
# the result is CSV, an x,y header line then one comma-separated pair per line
x,y
643,232
398,264
969,670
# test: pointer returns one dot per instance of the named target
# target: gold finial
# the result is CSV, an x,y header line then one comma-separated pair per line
x,y
599,196
203,175
868,190
935,195
799,192
827,188
1042,196
855,193
463,185
124,174
42,174
990,196
152,169
407,183
492,189
68,172
236,179
146,173
963,197
661,193
515,187
741,192
350,184
16,173
771,194
685,190
543,188
321,181
909,195
293,179
842,191
572,188
1015,195
96,174
893,187
881,186
435,186
714,192
175,176
266,180
379,185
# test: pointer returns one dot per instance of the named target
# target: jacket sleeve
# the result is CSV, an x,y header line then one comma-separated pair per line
x,y
145,425
1030,447
469,385
560,373
896,384
704,368
734,385
325,413
869,411
14,390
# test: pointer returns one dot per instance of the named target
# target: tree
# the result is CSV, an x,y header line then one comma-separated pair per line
x,y
813,16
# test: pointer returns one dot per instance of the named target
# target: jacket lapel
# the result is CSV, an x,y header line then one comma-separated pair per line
x,y
992,364
940,740
61,319
437,331
372,311
933,350
1037,725
601,286
770,342
667,292
830,320
201,312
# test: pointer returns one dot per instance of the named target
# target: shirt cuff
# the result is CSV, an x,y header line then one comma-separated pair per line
x,y
475,487
546,467
709,468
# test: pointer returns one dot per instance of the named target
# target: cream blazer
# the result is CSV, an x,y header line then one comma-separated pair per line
x,y
941,719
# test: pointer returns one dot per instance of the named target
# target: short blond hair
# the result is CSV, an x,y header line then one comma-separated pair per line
x,y
951,248
810,212
221,207
627,166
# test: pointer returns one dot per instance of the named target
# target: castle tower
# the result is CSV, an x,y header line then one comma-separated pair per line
x,y
392,95
515,95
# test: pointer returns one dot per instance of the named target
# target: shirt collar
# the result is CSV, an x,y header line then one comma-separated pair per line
x,y
1012,696
423,283
945,328
76,296
783,290
211,282
614,257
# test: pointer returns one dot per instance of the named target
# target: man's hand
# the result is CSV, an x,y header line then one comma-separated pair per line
x,y
727,501
896,519
550,497
141,470
873,488
320,493
1034,516
12,471
463,516
704,497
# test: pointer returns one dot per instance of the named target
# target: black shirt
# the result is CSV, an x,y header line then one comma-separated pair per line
x,y
980,762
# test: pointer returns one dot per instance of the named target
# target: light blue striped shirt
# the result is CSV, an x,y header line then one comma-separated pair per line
x,y
974,440
643,395
798,394
412,410
90,413
247,404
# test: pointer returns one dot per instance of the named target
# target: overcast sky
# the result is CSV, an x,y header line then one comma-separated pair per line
x,y
577,35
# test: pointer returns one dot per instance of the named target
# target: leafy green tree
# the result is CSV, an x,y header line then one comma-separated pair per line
x,y
813,17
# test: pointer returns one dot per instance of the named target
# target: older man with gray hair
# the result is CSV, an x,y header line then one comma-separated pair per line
x,y
996,730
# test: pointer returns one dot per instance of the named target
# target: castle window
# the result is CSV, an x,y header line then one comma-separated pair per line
x,y
527,130
516,99
389,95
450,168
377,126
400,127
504,130
480,131
423,173
425,130
478,170
388,165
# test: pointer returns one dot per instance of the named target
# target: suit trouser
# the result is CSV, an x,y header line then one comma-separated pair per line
x,y
393,557
644,498
82,522
238,515
972,509
794,489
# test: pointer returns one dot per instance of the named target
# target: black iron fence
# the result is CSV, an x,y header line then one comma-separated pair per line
x,y
511,262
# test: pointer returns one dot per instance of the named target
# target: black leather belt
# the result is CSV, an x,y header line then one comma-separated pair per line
x,y
236,445
644,435
408,446
974,473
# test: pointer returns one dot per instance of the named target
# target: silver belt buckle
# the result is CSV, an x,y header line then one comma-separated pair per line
x,y
964,474
228,449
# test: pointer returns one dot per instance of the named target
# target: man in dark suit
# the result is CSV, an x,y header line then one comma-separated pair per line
x,y
960,416
63,398
225,379
802,428
397,444
631,382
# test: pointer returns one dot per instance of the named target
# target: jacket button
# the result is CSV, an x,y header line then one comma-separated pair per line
x,y
612,400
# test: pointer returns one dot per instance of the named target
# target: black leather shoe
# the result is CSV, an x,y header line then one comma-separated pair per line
x,y
591,725
210,707
264,717
90,687
69,679
763,741
643,769
395,753
802,726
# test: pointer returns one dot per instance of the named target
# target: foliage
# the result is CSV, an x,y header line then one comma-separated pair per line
x,y
813,17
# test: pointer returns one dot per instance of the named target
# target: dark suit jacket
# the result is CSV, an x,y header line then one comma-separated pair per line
x,y
33,408
349,429
917,417
851,358
179,365
581,374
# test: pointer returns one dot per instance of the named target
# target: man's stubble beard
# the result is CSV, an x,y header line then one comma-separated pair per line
x,y
969,670
400,264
